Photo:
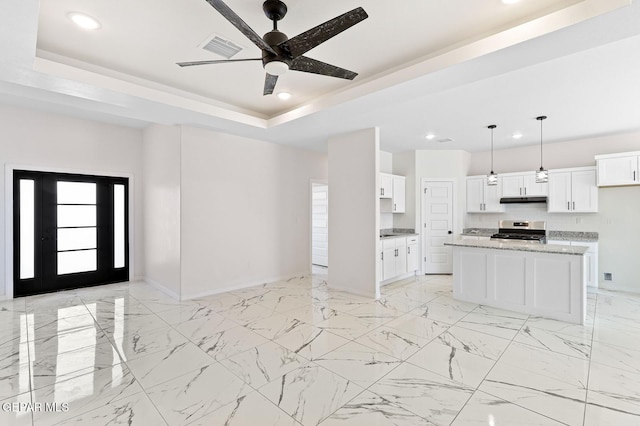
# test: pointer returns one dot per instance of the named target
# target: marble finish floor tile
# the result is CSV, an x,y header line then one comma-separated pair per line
x,y
85,393
556,342
614,389
197,393
473,342
16,417
396,343
454,363
371,409
251,409
483,409
311,342
135,410
297,352
424,393
230,342
135,345
275,326
348,326
263,364
358,363
151,370
418,326
311,393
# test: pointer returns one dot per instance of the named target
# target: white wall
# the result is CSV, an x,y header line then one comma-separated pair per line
x,y
616,221
161,203
354,211
245,216
53,142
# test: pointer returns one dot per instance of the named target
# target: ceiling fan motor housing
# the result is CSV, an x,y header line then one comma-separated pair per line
x,y
273,39
274,9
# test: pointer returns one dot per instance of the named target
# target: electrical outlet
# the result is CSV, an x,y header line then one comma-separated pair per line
x,y
608,276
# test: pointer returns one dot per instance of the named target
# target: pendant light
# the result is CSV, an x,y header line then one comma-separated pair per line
x,y
492,178
542,175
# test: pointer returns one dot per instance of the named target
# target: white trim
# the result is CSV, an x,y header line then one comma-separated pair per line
x,y
243,286
161,288
8,202
350,290
454,217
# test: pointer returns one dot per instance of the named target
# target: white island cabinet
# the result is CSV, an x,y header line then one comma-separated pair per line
x,y
539,279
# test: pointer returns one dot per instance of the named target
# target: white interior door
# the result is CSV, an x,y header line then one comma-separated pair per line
x,y
320,225
437,221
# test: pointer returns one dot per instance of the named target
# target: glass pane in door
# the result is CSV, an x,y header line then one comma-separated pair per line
x,y
27,228
118,226
76,227
70,262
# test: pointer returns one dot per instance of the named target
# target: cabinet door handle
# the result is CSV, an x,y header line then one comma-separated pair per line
x,y
568,206
520,191
409,250
634,175
525,191
574,205
394,207
382,256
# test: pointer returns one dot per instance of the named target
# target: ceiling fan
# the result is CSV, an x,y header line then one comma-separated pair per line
x,y
280,53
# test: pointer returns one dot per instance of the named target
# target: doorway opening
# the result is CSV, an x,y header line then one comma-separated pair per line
x,y
437,225
69,231
319,228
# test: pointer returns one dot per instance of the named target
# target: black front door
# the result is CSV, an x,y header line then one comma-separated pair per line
x,y
69,231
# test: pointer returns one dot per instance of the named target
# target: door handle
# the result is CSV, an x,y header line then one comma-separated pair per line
x,y
449,232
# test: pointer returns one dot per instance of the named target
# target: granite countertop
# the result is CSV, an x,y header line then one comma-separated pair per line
x,y
397,232
587,237
479,232
539,248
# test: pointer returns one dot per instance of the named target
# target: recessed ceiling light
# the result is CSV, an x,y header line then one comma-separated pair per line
x,y
510,1
430,136
84,21
284,96
517,135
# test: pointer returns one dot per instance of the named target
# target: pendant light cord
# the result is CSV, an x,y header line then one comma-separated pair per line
x,y
493,126
541,119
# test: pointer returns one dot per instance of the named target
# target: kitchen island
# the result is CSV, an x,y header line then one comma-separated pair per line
x,y
540,279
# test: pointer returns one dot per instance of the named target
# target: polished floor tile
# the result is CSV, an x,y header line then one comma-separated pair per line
x,y
296,352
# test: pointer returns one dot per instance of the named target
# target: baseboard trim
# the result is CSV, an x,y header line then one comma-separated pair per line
x,y
213,292
350,290
161,288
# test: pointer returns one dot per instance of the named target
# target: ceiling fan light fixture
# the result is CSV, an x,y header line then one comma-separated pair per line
x,y
85,22
276,68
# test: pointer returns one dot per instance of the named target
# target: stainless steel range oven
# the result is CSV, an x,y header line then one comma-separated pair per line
x,y
521,231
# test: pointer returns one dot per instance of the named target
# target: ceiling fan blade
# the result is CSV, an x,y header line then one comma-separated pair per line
x,y
222,61
269,83
237,22
306,64
307,40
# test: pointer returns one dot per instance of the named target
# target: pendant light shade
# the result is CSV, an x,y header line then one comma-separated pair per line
x,y
542,175
492,178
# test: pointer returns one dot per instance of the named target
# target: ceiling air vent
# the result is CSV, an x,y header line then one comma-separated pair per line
x,y
221,46
444,140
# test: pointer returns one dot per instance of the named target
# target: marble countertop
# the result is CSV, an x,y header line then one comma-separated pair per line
x,y
539,248
480,232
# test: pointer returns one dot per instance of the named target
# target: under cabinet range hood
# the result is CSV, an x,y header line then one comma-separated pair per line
x,y
522,200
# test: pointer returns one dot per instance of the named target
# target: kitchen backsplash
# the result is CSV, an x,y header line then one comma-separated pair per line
x,y
555,221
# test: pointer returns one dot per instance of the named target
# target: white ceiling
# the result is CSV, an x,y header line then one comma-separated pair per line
x,y
450,68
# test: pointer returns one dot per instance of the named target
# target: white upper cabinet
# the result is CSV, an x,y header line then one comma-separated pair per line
x,y
522,185
573,191
482,198
392,187
399,194
386,185
618,169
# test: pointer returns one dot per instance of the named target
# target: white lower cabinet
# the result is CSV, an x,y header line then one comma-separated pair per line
x,y
398,256
412,254
591,259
